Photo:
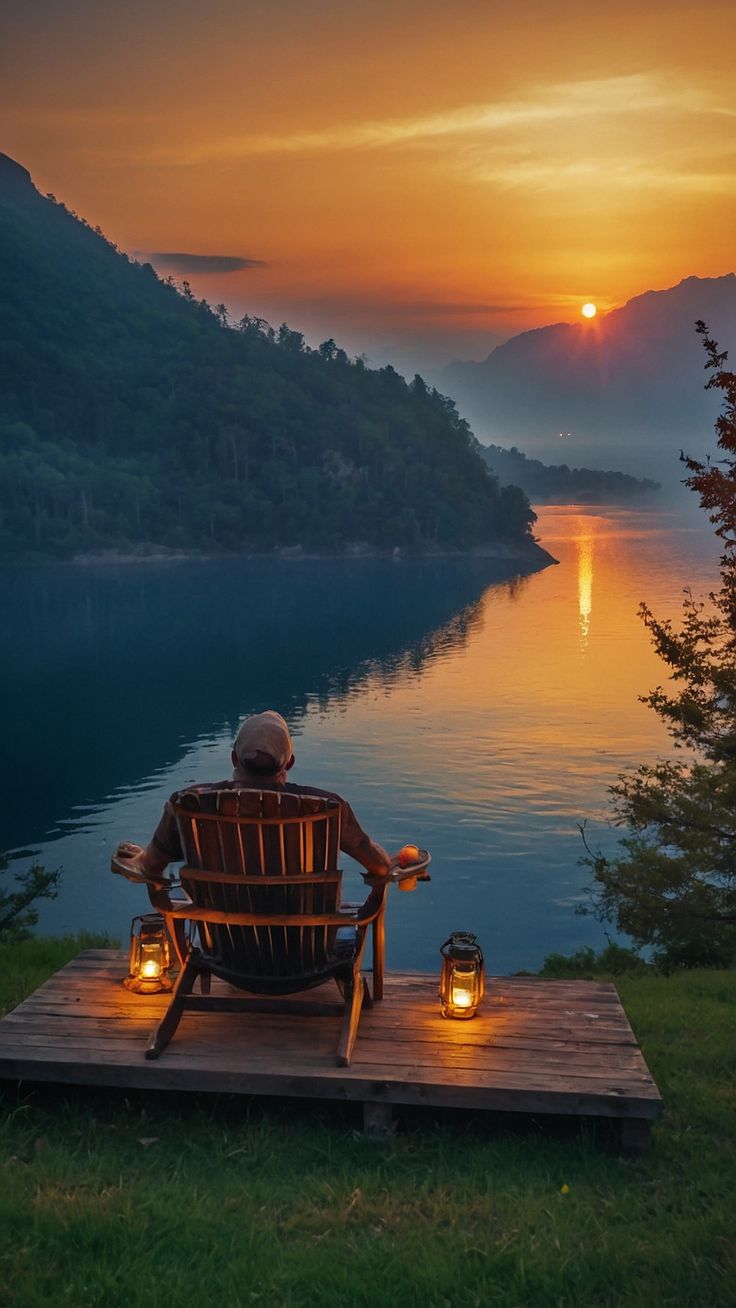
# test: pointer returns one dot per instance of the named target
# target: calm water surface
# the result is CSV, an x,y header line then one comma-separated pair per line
x,y
480,717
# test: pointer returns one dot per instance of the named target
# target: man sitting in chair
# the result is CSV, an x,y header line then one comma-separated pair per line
x,y
262,756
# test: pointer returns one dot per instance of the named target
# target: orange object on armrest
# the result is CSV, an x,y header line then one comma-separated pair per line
x,y
406,870
409,854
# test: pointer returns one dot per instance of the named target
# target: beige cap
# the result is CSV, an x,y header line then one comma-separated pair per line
x,y
264,733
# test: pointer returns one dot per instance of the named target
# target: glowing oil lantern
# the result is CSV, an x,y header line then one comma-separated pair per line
x,y
150,955
462,982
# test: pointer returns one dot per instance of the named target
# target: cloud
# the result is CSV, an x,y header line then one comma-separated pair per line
x,y
545,105
203,263
354,305
607,176
609,136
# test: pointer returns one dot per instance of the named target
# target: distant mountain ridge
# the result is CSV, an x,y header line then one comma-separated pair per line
x,y
625,387
131,413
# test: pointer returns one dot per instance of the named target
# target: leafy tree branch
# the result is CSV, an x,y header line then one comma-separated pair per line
x,y
17,907
673,883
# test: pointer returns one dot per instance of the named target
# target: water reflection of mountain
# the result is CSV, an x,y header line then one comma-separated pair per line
x,y
108,673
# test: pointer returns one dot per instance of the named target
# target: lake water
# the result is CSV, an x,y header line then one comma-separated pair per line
x,y
482,718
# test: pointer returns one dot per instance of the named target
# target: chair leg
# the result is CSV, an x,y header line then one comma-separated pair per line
x,y
353,1004
178,936
379,953
166,1028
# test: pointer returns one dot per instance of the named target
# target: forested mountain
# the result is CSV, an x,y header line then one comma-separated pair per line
x,y
543,481
131,412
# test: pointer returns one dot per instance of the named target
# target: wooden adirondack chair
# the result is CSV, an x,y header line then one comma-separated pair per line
x,y
264,910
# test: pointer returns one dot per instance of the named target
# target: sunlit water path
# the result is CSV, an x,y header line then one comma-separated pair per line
x,y
482,718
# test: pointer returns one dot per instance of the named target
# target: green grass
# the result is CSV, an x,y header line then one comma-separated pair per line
x,y
152,1201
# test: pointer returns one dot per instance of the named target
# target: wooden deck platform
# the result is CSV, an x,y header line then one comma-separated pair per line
x,y
536,1046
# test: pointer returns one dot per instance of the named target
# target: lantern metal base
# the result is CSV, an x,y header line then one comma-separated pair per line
x,y
463,1015
141,985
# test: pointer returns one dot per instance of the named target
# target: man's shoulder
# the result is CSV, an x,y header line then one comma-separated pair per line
x,y
202,788
315,792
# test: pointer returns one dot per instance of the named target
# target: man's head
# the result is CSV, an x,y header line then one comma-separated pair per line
x,y
263,746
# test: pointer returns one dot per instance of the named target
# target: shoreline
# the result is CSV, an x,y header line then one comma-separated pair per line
x,y
503,551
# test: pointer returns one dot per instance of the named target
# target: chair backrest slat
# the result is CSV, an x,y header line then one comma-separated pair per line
x,y
283,838
232,857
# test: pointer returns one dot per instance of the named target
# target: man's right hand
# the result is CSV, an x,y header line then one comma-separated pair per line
x,y
126,849
139,864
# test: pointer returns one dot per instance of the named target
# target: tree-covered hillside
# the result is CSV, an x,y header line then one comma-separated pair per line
x,y
131,412
558,482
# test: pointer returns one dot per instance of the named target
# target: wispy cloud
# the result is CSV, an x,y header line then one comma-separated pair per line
x,y
628,174
624,97
201,263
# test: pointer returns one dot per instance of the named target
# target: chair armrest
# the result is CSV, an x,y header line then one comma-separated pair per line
x,y
124,867
159,894
396,873
159,888
362,914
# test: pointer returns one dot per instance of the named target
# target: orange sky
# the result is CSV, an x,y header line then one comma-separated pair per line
x,y
419,180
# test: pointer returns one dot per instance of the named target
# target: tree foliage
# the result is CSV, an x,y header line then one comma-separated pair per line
x,y
131,412
673,885
543,481
17,907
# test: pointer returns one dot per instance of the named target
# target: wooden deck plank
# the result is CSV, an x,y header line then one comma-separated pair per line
x,y
536,1046
556,1075
474,1098
70,989
39,1032
321,1053
393,1015
259,1064
571,1048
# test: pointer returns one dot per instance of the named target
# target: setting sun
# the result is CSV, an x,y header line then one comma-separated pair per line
x,y
589,311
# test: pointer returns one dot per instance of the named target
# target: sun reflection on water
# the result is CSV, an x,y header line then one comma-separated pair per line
x,y
585,584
